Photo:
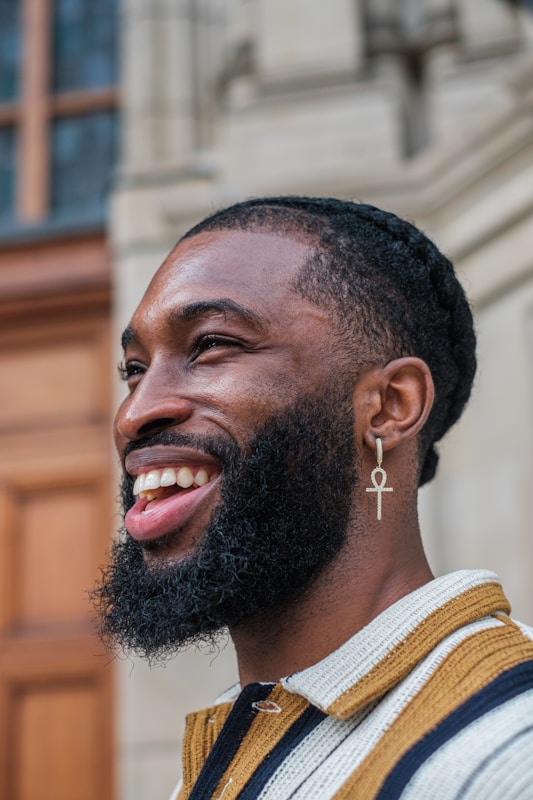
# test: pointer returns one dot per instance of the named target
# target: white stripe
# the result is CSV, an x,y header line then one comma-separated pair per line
x,y
305,758
324,682
229,695
322,762
488,759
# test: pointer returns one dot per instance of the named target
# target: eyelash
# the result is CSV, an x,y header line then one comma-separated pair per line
x,y
127,371
211,340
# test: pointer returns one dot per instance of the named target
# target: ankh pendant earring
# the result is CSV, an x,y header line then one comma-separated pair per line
x,y
379,471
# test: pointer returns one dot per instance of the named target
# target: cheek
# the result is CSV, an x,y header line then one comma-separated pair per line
x,y
259,382
240,417
248,402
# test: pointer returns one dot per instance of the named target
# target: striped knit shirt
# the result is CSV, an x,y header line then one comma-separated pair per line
x,y
432,699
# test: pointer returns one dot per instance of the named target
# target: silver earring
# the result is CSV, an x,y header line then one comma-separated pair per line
x,y
379,487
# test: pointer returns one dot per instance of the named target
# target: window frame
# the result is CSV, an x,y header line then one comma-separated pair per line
x,y
33,113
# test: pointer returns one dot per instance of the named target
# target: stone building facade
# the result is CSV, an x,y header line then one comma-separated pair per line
x,y
424,107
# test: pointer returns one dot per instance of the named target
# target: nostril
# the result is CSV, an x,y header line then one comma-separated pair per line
x,y
155,425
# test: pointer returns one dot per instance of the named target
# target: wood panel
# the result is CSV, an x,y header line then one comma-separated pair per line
x,y
52,548
56,734
65,373
54,268
56,726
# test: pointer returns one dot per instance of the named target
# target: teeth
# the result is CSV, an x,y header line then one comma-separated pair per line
x,y
147,483
168,477
152,480
201,477
184,477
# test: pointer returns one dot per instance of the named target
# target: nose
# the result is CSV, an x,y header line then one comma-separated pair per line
x,y
153,406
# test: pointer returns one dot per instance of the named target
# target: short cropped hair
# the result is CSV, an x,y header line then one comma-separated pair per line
x,y
391,291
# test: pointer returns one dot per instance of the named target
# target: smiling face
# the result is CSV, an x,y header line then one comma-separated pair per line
x,y
218,343
237,439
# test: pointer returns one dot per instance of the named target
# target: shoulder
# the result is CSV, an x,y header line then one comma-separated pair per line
x,y
490,755
480,739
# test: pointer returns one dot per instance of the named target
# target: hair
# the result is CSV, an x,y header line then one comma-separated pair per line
x,y
389,288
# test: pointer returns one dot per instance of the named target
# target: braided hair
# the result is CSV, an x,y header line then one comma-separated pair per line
x,y
390,289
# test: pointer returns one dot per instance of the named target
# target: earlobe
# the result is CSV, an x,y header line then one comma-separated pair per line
x,y
402,396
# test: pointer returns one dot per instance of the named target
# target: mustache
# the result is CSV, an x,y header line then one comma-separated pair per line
x,y
217,446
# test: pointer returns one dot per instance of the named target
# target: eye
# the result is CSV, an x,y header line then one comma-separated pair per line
x,y
212,341
130,369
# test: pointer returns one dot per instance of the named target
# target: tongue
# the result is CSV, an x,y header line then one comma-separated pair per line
x,y
152,519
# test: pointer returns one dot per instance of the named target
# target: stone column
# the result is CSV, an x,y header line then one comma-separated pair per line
x,y
158,85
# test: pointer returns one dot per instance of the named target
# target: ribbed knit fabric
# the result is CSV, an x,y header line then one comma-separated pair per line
x,y
432,699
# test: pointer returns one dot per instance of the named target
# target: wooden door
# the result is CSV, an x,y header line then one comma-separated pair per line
x,y
55,522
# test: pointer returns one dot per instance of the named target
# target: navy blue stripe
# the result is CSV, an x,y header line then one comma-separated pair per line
x,y
229,740
506,686
305,723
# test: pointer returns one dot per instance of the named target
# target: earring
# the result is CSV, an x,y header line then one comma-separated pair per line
x,y
379,487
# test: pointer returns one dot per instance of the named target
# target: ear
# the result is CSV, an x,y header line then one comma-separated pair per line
x,y
393,402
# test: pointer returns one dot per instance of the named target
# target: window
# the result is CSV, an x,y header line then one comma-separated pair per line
x,y
58,118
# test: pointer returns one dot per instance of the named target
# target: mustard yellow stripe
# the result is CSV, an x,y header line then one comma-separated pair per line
x,y
473,664
467,607
266,730
201,731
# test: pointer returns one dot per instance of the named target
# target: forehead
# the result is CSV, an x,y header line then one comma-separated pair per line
x,y
248,267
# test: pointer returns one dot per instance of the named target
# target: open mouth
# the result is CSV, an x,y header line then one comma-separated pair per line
x,y
175,488
157,484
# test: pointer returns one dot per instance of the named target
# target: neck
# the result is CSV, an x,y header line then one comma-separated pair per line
x,y
341,601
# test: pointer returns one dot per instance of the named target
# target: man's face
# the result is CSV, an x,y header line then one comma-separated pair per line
x,y
219,343
241,433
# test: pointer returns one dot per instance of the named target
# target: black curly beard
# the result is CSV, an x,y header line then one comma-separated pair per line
x,y
283,517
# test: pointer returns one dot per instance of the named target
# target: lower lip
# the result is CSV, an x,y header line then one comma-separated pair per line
x,y
149,521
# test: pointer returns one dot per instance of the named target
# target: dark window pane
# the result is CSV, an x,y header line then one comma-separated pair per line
x,y
7,173
83,156
9,48
85,44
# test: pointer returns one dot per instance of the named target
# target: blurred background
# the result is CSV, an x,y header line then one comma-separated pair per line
x,y
123,122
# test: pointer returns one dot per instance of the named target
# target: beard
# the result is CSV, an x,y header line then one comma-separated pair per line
x,y
285,505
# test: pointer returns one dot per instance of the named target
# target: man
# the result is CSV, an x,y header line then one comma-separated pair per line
x,y
290,369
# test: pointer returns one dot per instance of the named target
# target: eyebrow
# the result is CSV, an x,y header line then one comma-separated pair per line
x,y
128,337
203,308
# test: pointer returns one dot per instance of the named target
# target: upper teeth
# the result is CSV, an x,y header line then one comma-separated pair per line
x,y
180,476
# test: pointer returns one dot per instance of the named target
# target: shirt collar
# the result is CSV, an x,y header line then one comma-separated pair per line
x,y
382,653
